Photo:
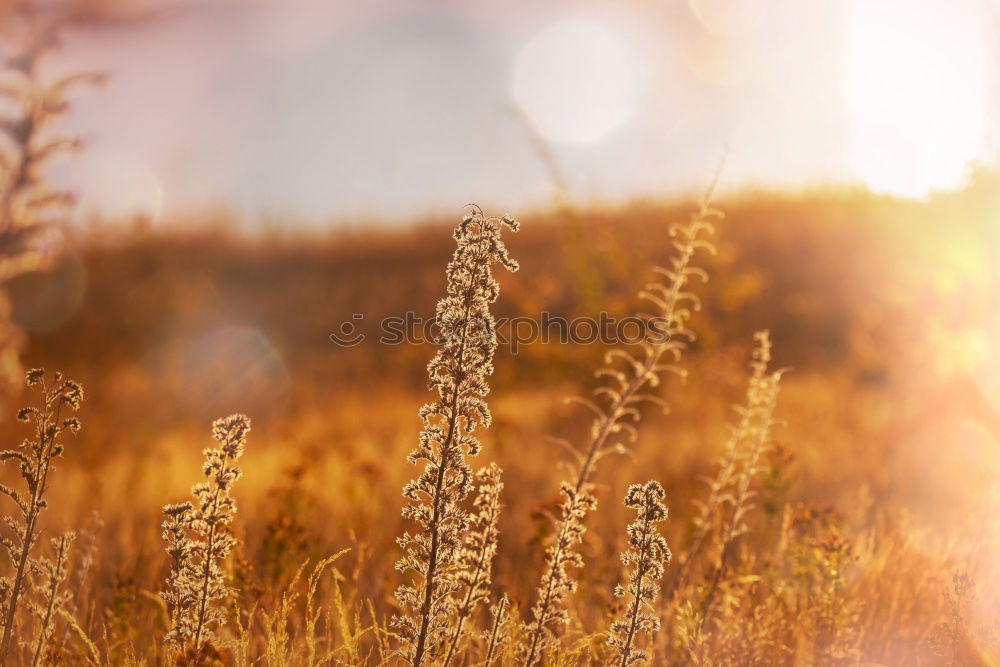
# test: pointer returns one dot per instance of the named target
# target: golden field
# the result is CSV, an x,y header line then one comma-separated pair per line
x,y
873,536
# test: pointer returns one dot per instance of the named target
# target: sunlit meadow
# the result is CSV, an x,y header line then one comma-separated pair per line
x,y
219,449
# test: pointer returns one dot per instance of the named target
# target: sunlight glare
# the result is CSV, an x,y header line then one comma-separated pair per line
x,y
917,93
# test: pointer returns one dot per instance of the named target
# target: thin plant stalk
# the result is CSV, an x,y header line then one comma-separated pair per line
x,y
35,460
458,371
624,393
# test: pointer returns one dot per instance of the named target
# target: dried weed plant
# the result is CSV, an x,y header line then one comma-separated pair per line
x,y
762,397
30,209
746,446
497,634
199,538
34,459
616,410
647,556
476,559
50,574
458,372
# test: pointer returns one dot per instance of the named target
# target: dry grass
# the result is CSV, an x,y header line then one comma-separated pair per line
x,y
830,532
854,522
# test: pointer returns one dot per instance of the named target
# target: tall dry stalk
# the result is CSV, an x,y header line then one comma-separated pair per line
x,y
87,557
496,635
29,208
34,459
720,487
458,372
51,574
647,555
476,559
199,538
620,399
762,397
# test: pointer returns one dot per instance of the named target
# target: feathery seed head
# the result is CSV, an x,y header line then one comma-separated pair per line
x,y
647,556
458,372
615,407
198,541
35,462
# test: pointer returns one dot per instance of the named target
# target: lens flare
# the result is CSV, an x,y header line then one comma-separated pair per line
x,y
575,81
235,366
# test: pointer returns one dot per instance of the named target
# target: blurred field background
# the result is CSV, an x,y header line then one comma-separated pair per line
x,y
194,280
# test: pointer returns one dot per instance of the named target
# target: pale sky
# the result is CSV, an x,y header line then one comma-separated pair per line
x,y
322,111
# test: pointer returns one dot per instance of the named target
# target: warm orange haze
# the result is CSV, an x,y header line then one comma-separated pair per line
x,y
706,376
